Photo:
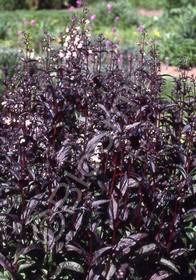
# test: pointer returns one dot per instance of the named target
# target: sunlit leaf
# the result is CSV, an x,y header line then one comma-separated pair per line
x,y
169,264
160,275
69,265
146,249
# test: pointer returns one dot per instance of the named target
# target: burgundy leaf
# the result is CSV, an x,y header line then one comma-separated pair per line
x,y
5,263
113,208
178,252
160,275
97,204
99,253
94,141
125,244
74,248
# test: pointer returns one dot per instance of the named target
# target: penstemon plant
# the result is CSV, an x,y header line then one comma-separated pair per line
x,y
97,168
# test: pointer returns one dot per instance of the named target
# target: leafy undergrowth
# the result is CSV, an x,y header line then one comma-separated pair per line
x,y
97,169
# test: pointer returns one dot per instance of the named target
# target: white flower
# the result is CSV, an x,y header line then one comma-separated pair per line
x,y
67,29
68,55
7,120
65,45
87,21
39,58
77,39
80,46
53,74
22,140
32,54
4,103
27,123
61,54
67,40
74,54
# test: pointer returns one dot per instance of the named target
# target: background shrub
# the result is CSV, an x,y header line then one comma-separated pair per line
x,y
122,9
12,4
9,60
48,4
173,4
7,5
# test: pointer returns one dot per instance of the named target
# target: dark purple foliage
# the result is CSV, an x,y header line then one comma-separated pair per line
x,y
97,167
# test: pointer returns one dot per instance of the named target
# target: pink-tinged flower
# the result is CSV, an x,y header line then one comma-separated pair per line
x,y
79,3
71,9
8,29
116,34
140,28
129,56
166,58
19,32
33,22
114,28
107,43
109,7
119,61
121,56
93,17
117,18
26,23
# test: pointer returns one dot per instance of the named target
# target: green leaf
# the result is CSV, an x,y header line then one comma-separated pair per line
x,y
190,233
25,266
190,215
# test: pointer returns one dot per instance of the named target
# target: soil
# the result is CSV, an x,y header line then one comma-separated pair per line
x,y
169,70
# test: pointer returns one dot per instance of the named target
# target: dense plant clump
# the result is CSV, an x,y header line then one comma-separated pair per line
x,y
97,169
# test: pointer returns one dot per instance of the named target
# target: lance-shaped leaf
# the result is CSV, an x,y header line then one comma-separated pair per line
x,y
69,265
5,263
125,244
99,253
179,252
130,126
74,248
113,209
160,275
97,204
95,272
170,265
23,251
146,249
189,215
93,142
111,272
